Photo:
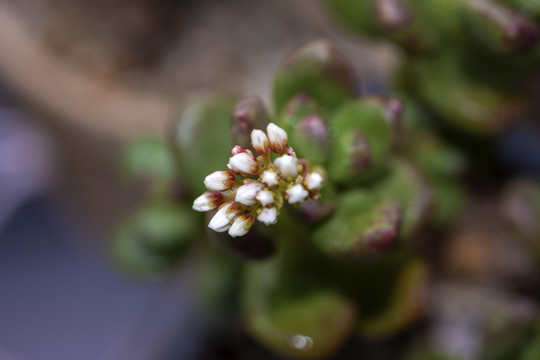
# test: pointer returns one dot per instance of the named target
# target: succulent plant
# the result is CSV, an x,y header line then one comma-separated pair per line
x,y
469,62
339,191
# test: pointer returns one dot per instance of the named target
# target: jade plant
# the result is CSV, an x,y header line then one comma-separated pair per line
x,y
314,210
470,63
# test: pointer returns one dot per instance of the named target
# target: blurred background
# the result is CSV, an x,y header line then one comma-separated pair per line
x,y
77,80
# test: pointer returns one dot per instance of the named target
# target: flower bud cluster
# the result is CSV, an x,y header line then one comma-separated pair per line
x,y
255,188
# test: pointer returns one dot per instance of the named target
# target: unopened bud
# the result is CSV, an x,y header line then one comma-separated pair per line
x,y
247,193
221,221
260,142
219,181
297,194
241,225
266,197
314,181
278,138
237,149
270,178
287,166
268,216
244,164
208,201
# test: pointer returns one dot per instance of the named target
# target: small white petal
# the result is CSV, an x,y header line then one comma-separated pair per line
x,y
241,225
314,181
278,138
219,181
247,193
244,164
222,219
268,216
270,178
265,197
297,194
208,201
260,142
287,166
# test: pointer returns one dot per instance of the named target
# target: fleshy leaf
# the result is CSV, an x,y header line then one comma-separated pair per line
x,y
312,326
403,307
408,187
363,225
468,104
201,140
499,26
149,159
318,70
363,134
156,237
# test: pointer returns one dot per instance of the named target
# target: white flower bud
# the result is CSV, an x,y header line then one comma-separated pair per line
x,y
260,142
278,138
287,166
221,221
314,181
244,164
208,201
247,193
237,149
270,178
241,225
219,181
266,197
297,194
268,216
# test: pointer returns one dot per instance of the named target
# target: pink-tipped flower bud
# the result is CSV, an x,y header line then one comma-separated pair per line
x,y
278,138
266,197
237,149
290,151
219,181
208,201
241,225
243,164
221,221
314,181
297,194
270,178
247,193
287,166
260,142
268,216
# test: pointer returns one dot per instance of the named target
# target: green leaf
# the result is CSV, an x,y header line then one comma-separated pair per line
x,y
412,192
362,139
201,139
312,326
318,70
156,237
498,26
149,159
467,102
364,225
403,307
